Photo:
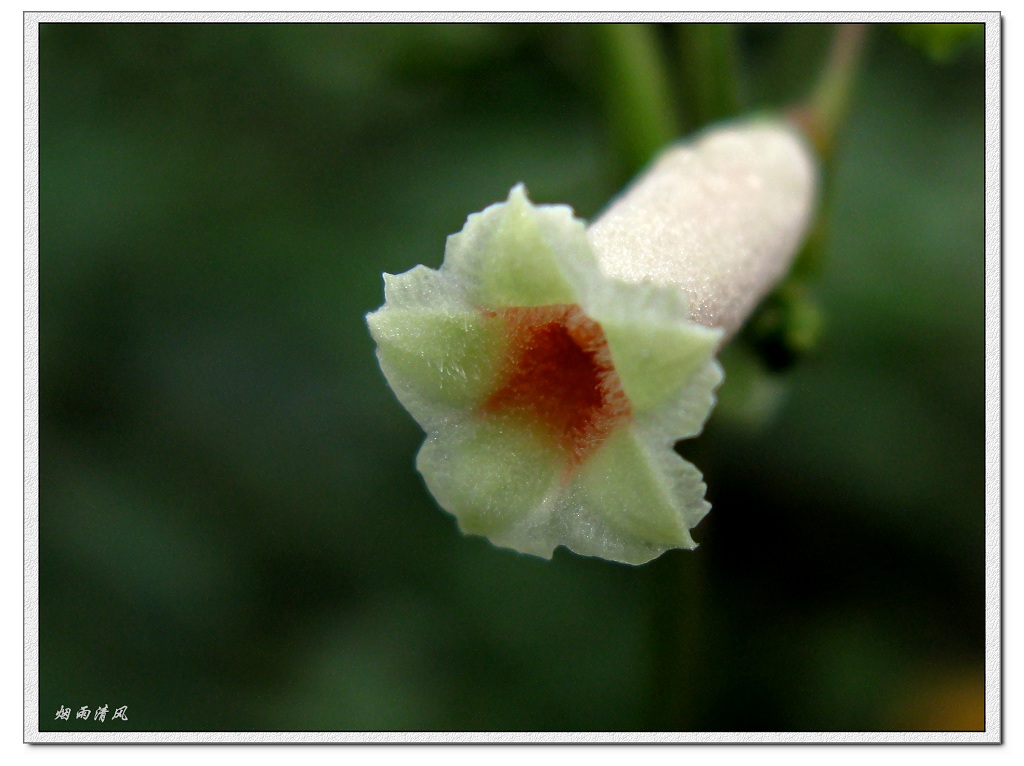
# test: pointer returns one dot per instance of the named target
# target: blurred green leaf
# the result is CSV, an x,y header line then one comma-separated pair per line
x,y
942,43
710,72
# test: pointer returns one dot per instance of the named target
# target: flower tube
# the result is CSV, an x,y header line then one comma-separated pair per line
x,y
553,367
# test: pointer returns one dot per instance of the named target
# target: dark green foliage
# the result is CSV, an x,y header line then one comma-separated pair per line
x,y
232,533
943,43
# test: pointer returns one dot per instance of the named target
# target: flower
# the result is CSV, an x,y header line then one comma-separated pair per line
x,y
551,394
554,367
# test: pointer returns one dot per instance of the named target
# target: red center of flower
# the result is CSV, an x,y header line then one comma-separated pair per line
x,y
559,374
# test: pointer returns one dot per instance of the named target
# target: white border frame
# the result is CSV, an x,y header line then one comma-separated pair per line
x,y
993,391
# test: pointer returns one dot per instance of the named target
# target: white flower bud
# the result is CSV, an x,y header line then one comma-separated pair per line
x,y
720,217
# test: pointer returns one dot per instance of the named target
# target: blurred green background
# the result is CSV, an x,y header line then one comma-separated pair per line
x,y
232,532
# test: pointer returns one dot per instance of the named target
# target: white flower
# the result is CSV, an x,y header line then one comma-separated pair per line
x,y
552,394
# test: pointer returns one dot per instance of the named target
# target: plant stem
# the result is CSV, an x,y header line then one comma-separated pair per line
x,y
676,642
637,89
711,85
826,109
787,325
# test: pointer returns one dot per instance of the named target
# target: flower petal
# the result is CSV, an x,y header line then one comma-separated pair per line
x,y
630,503
682,415
657,350
641,500
438,359
438,355
518,254
494,475
423,288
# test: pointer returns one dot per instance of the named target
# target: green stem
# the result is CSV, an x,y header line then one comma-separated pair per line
x,y
827,107
711,92
710,69
638,92
678,582
788,323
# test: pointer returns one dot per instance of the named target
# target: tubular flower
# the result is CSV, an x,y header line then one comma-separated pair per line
x,y
551,393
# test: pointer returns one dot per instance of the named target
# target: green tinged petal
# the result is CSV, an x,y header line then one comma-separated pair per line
x,y
444,358
624,485
438,353
517,254
423,288
656,349
684,413
491,474
653,361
